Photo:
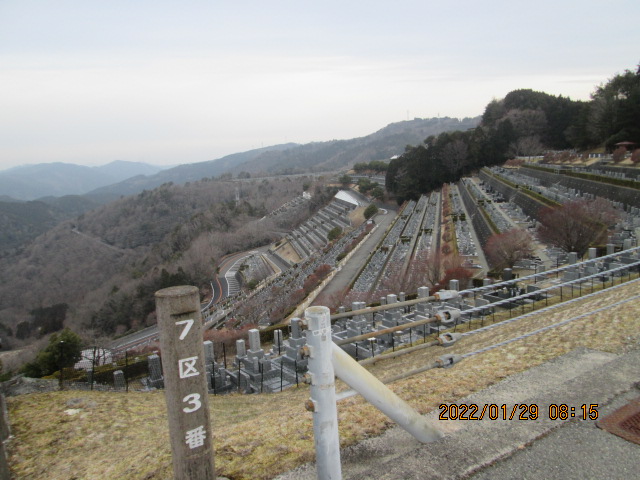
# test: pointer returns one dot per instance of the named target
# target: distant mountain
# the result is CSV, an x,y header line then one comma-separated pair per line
x,y
30,182
297,159
341,154
182,173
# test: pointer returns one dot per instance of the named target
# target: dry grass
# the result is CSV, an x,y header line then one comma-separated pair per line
x,y
115,436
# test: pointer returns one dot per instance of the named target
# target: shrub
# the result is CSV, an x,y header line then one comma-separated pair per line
x,y
370,211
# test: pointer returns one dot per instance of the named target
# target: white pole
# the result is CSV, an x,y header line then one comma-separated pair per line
x,y
376,393
323,394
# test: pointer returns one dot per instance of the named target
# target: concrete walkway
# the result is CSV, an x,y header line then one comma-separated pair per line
x,y
517,449
349,271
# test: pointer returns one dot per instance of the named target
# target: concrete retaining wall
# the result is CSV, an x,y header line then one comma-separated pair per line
x,y
628,196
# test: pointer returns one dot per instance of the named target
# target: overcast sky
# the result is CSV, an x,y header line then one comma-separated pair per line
x,y
169,82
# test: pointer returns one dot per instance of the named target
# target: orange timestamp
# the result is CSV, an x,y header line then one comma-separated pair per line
x,y
518,411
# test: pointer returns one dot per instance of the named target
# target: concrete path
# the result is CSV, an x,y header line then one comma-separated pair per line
x,y
517,449
349,271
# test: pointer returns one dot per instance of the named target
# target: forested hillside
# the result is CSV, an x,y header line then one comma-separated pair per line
x,y
297,159
21,222
341,154
105,265
524,123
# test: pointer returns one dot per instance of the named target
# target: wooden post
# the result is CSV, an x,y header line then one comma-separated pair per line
x,y
180,326
5,432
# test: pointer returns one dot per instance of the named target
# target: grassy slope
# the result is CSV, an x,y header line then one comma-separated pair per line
x,y
115,436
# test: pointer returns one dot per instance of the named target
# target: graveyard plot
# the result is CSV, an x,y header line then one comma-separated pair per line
x,y
114,436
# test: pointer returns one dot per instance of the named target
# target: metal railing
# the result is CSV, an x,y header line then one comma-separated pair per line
x,y
327,360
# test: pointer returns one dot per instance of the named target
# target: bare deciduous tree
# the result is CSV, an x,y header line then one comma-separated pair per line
x,y
505,249
526,146
578,224
455,155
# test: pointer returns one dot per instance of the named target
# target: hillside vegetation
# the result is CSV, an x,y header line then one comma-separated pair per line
x,y
524,123
109,436
292,158
105,264
21,222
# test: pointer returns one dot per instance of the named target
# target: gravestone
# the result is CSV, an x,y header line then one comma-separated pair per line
x,y
294,343
278,344
209,357
155,371
118,380
422,307
255,350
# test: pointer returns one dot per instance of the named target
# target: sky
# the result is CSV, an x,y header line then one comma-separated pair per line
x,y
167,82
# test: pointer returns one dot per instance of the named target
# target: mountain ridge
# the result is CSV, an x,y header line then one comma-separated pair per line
x,y
31,182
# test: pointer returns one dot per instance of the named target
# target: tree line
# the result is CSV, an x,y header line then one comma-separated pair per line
x,y
524,123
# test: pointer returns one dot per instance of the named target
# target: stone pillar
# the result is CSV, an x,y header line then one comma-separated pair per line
x,y
611,248
593,253
486,282
454,285
572,258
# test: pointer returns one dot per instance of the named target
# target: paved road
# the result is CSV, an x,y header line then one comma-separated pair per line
x,y
345,276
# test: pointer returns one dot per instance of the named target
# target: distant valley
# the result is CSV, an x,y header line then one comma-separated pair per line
x,y
31,182
35,198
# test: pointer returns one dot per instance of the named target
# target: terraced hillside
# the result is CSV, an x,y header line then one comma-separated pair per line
x,y
63,434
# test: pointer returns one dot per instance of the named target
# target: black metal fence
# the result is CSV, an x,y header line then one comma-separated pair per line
x,y
99,369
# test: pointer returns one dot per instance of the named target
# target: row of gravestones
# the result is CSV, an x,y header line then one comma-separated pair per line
x,y
255,370
252,370
626,257
371,272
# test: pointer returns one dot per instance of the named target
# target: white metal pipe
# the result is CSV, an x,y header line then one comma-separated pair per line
x,y
381,397
323,394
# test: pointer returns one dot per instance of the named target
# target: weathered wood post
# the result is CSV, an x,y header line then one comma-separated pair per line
x,y
180,326
5,432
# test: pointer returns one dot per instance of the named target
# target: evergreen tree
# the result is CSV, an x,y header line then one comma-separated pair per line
x,y
64,350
